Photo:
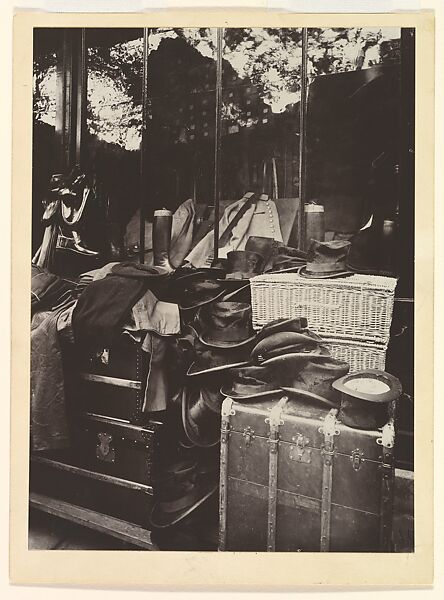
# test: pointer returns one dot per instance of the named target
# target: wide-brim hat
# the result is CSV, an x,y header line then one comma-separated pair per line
x,y
200,422
316,376
303,272
289,357
225,324
306,395
198,291
297,324
250,390
365,397
166,513
283,342
326,260
214,360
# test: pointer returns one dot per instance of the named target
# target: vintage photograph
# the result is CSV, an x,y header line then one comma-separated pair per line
x,y
222,289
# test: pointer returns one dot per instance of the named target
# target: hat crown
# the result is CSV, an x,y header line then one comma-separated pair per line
x,y
327,256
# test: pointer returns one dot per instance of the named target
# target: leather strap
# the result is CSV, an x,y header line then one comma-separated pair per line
x,y
225,237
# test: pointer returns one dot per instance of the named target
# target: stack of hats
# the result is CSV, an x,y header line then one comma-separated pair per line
x,y
287,357
222,340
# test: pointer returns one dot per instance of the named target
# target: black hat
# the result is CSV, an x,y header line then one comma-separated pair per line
x,y
243,264
285,342
225,324
326,260
297,324
197,290
315,379
200,422
251,383
365,397
210,359
179,496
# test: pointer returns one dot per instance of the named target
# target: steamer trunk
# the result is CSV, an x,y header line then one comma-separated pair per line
x,y
110,382
293,478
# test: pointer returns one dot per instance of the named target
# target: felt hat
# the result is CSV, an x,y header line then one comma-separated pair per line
x,y
196,291
315,378
365,398
373,250
243,264
250,383
297,324
200,422
225,324
178,497
265,246
326,260
284,342
211,359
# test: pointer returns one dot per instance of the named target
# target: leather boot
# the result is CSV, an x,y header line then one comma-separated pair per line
x,y
162,226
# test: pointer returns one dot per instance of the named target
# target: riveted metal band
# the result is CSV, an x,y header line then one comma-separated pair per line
x,y
387,441
329,429
226,412
275,422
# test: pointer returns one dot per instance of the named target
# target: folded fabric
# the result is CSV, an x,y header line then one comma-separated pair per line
x,y
47,289
151,314
49,417
96,274
156,390
64,323
260,219
103,307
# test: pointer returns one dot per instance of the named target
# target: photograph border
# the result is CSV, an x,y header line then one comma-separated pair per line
x,y
166,569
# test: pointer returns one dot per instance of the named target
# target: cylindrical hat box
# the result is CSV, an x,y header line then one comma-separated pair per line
x,y
314,223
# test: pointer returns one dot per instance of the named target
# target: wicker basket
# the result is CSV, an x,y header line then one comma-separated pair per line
x,y
358,307
358,355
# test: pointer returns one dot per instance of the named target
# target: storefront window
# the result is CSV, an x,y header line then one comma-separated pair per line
x,y
181,92
353,120
114,117
46,50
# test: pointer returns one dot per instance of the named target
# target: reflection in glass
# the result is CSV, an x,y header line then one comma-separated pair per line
x,y
46,49
181,90
261,94
353,116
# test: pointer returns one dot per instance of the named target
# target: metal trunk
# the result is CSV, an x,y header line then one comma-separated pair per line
x,y
293,478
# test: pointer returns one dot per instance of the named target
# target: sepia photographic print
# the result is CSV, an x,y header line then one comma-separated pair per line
x,y
222,281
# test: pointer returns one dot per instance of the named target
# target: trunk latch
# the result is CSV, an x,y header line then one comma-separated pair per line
x,y
357,457
298,450
104,450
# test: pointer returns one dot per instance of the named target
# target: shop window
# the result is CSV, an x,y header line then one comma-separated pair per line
x,y
46,51
114,65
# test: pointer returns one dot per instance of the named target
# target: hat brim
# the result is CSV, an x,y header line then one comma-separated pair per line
x,y
309,395
191,372
218,344
327,275
228,393
201,442
318,353
395,388
293,269
199,304
160,520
